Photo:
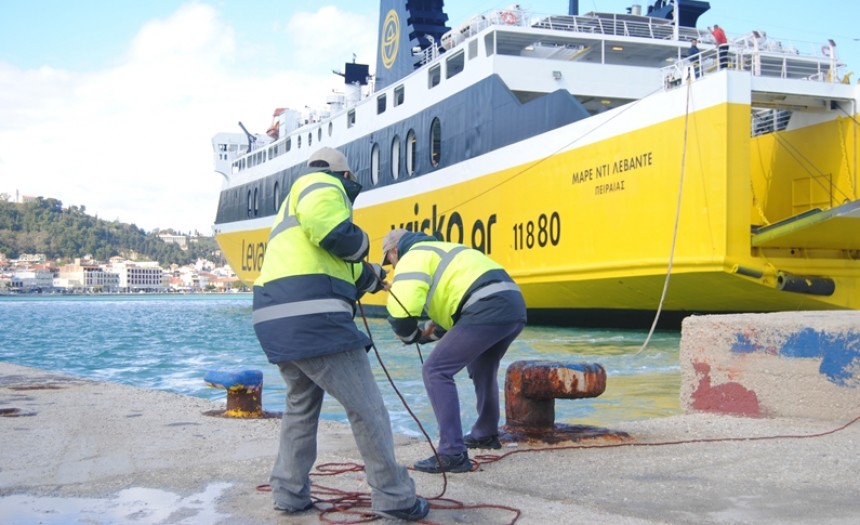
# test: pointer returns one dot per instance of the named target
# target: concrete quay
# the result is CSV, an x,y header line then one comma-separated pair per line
x,y
787,364
80,451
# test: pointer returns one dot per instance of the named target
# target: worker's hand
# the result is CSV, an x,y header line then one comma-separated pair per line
x,y
428,332
379,274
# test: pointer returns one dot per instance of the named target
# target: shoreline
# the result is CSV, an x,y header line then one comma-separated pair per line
x,y
111,453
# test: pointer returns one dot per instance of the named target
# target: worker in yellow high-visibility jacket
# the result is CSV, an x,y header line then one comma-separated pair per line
x,y
476,311
304,304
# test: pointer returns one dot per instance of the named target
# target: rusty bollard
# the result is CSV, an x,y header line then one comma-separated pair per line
x,y
244,391
531,388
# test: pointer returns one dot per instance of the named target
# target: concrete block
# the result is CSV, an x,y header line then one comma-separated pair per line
x,y
787,364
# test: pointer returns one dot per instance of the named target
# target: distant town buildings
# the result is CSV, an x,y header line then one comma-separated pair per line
x,y
180,240
32,274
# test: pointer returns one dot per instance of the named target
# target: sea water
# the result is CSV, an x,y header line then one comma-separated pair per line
x,y
169,342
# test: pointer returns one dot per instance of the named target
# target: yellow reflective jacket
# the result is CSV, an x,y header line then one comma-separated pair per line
x,y
434,276
312,274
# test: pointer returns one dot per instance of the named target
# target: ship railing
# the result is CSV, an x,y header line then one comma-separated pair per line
x,y
615,25
766,63
609,25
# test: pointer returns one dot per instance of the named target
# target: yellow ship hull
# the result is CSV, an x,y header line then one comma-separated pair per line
x,y
596,232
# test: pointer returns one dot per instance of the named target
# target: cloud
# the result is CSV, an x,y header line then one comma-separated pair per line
x,y
132,142
329,36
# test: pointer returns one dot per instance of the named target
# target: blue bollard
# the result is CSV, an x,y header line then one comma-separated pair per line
x,y
244,391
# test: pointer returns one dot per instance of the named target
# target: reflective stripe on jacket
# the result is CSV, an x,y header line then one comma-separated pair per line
x,y
433,277
304,298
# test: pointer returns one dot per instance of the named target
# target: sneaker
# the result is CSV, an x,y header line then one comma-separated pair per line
x,y
291,510
417,511
485,442
446,463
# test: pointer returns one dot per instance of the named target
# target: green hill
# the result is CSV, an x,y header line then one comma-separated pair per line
x,y
44,226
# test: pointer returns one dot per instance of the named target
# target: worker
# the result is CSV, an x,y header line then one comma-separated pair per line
x,y
303,309
476,311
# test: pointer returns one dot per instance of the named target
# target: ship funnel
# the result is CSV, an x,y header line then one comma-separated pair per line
x,y
404,26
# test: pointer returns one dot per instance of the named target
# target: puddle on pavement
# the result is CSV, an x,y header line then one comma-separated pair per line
x,y
141,506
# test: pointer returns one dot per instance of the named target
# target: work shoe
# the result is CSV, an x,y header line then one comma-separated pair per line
x,y
291,510
417,511
446,463
484,442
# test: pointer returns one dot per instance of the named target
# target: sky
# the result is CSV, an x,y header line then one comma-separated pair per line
x,y
111,105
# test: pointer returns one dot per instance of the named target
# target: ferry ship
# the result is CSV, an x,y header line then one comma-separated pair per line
x,y
619,181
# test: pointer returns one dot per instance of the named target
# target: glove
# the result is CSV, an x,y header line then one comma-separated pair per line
x,y
379,274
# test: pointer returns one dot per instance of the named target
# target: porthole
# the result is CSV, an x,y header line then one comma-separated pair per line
x,y
374,164
411,147
330,128
319,134
395,157
435,142
277,200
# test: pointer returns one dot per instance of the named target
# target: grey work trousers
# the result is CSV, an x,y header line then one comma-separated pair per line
x,y
347,377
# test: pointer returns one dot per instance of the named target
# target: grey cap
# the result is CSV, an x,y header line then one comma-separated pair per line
x,y
390,241
335,160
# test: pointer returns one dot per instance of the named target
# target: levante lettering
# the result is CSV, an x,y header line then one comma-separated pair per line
x,y
632,163
642,160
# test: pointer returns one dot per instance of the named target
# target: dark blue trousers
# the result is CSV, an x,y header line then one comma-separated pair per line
x,y
479,349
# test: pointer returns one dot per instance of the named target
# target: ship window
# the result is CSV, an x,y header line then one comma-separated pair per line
x,y
350,118
298,141
399,95
489,44
395,157
319,134
310,139
277,197
473,49
434,76
289,144
250,203
256,203
455,64
330,128
380,104
374,164
435,142
411,145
